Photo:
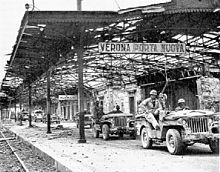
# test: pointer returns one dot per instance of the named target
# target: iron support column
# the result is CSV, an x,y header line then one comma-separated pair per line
x,y
48,102
80,87
20,115
29,103
79,6
15,109
80,80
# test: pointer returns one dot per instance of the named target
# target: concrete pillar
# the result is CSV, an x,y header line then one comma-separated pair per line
x,y
71,110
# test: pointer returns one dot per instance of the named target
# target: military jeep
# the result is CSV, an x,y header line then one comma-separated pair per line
x,y
114,124
181,129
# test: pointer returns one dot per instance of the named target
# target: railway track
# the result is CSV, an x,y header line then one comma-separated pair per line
x,y
16,156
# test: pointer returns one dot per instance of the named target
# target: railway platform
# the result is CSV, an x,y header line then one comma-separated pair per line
x,y
62,149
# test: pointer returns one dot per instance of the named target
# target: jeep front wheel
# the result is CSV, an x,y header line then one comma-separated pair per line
x,y
105,132
214,145
174,142
145,139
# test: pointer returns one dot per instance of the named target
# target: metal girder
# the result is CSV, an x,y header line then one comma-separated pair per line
x,y
54,35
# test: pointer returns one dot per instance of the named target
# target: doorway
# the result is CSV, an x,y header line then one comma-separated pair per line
x,y
131,105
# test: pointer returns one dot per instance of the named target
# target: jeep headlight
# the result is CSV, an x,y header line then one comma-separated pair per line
x,y
112,122
210,120
180,121
184,122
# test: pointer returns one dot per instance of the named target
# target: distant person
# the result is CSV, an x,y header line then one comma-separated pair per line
x,y
181,105
118,109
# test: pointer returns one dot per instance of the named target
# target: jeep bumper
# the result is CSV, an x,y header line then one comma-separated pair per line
x,y
124,130
200,137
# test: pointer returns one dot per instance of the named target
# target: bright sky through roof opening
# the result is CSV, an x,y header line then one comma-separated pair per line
x,y
12,11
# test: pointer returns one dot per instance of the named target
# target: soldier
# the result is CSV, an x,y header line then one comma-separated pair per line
x,y
98,111
162,99
181,105
151,107
116,111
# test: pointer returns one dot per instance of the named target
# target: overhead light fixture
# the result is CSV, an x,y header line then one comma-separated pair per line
x,y
162,32
27,6
41,25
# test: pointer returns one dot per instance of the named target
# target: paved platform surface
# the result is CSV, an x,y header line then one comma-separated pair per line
x,y
110,156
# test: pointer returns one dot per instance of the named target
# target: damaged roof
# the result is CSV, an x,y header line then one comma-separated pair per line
x,y
49,40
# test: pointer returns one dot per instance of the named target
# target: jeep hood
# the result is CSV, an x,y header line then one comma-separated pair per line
x,y
189,114
117,115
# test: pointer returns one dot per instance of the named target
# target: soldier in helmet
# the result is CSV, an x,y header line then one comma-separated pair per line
x,y
151,107
181,105
98,111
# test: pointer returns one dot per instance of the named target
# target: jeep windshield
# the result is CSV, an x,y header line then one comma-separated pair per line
x,y
189,113
118,115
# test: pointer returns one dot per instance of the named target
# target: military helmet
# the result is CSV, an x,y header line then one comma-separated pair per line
x,y
181,101
153,92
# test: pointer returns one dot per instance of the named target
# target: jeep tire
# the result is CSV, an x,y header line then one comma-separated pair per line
x,y
214,146
95,132
145,139
174,142
105,132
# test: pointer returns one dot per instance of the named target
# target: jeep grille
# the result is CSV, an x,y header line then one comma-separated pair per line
x,y
198,125
120,121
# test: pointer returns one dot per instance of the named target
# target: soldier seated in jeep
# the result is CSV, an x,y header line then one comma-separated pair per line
x,y
180,129
181,105
150,109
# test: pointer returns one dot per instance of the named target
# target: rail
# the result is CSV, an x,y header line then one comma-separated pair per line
x,y
14,152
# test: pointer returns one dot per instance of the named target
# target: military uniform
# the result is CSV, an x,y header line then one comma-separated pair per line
x,y
178,108
181,105
150,108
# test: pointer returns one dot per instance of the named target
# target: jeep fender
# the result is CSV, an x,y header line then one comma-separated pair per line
x,y
139,124
144,124
166,128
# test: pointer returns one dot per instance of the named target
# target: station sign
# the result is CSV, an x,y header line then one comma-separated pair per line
x,y
142,48
68,97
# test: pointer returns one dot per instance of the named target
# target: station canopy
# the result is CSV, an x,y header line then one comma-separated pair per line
x,y
49,40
